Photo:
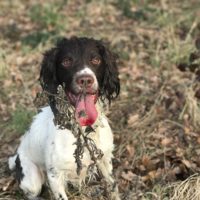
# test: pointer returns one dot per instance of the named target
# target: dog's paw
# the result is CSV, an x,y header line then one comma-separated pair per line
x,y
115,196
36,198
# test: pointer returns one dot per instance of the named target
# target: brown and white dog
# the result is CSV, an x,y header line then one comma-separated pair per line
x,y
80,64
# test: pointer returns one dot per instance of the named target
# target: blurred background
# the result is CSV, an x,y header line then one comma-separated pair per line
x,y
156,119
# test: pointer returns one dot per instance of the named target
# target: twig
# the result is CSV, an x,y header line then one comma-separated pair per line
x,y
65,119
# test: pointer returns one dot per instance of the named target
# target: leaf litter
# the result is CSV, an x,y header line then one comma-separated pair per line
x,y
156,119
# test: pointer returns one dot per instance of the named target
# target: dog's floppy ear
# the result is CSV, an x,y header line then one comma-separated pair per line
x,y
48,71
48,78
111,83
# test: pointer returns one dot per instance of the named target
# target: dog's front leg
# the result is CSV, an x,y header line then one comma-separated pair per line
x,y
57,183
106,169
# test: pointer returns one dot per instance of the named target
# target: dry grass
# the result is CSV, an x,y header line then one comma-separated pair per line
x,y
187,189
155,121
192,107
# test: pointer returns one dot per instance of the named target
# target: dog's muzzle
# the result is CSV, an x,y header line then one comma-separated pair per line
x,y
83,96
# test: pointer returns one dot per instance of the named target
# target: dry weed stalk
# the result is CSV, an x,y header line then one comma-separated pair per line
x,y
188,189
65,119
192,106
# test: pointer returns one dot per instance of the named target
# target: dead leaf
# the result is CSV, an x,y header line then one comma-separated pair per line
x,y
128,176
130,149
152,174
187,163
7,83
166,141
133,119
145,160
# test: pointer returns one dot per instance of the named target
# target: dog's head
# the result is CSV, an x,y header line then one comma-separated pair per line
x,y
86,69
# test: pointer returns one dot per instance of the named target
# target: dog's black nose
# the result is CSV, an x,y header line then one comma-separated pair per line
x,y
85,81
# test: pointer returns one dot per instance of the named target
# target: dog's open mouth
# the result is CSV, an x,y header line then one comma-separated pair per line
x,y
85,109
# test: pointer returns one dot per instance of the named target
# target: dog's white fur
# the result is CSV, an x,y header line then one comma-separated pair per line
x,y
46,148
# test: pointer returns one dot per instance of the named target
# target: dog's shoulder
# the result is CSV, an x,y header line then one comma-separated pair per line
x,y
34,138
42,120
44,114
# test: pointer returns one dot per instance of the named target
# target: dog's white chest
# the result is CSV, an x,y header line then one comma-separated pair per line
x,y
62,147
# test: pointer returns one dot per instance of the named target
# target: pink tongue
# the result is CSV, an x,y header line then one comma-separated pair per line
x,y
86,113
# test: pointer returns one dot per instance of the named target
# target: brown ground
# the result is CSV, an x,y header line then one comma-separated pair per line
x,y
155,120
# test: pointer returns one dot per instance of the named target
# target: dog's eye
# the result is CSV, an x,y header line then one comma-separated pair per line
x,y
96,60
67,62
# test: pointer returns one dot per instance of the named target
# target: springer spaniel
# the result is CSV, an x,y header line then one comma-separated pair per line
x,y
78,64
